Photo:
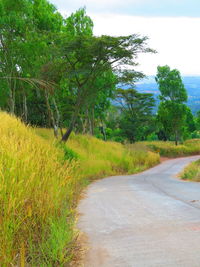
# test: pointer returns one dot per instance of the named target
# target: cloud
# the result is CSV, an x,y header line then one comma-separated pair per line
x,y
134,7
175,37
176,40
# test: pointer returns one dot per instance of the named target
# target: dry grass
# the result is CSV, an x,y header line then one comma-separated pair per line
x,y
33,185
169,149
40,183
192,172
98,158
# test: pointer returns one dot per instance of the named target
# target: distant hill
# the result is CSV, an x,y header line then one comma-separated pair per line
x,y
192,84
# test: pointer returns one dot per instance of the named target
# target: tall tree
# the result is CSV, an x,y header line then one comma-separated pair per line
x,y
172,110
136,110
88,56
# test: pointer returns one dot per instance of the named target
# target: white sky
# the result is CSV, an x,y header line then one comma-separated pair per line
x,y
177,40
175,37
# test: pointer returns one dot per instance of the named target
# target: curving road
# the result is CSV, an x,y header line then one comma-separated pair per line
x,y
151,219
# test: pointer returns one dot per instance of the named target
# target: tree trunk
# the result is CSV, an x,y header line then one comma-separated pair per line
x,y
11,104
73,120
68,132
58,120
83,122
176,138
11,98
25,109
51,115
89,123
92,121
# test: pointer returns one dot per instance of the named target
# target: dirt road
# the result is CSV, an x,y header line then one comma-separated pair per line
x,y
150,219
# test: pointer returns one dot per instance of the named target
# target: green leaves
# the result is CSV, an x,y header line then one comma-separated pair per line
x,y
170,84
136,111
172,112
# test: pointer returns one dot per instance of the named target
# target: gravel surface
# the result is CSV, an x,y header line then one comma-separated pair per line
x,y
151,219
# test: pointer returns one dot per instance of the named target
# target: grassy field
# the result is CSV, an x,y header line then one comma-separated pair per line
x,y
168,149
192,172
40,183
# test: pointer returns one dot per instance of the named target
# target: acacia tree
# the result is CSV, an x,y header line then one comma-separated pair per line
x,y
172,110
87,56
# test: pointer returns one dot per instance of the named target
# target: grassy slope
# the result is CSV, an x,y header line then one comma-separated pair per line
x,y
40,187
168,149
192,172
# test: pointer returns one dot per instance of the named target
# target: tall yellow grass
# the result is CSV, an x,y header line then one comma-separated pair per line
x,y
192,172
39,188
169,149
99,158
33,186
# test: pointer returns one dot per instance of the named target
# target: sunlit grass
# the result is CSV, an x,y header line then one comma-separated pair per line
x,y
40,183
99,158
169,149
192,172
34,186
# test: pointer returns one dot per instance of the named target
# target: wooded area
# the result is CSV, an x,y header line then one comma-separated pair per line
x,y
56,74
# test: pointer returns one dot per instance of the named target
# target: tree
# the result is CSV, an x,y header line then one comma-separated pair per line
x,y
27,31
172,110
88,56
136,113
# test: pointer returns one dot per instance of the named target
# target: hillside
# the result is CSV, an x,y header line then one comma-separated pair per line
x,y
192,84
41,181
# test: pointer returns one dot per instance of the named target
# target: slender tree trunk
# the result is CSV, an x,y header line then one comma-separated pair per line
x,y
83,122
176,138
92,121
11,103
71,126
89,121
55,126
103,131
11,97
25,109
73,120
58,117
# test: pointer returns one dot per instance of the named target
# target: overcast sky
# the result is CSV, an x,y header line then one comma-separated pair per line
x,y
173,27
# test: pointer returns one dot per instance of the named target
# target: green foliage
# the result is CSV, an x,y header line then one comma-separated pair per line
x,y
136,114
172,112
170,85
79,24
